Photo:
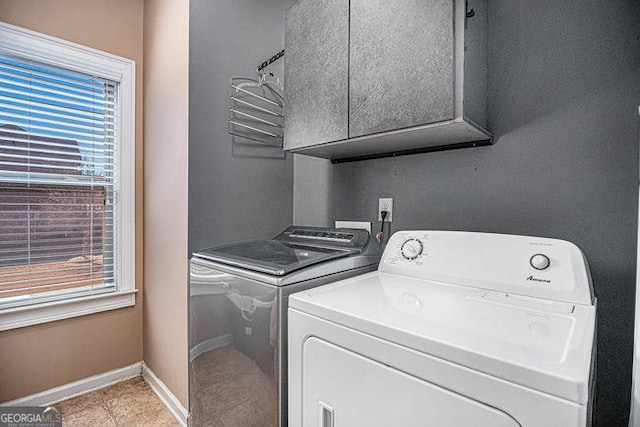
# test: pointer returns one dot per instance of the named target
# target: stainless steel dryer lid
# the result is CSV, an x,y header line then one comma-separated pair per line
x,y
293,249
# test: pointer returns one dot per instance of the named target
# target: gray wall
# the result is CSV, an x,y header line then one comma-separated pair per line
x,y
311,194
236,191
564,90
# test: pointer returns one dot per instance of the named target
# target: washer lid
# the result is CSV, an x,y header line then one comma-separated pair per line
x,y
271,256
541,344
295,248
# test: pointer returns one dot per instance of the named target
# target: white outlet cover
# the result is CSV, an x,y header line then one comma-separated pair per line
x,y
382,202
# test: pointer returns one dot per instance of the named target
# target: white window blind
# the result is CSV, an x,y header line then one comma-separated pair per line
x,y
58,180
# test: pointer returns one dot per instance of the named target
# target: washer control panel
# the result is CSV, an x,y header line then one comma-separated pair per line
x,y
532,266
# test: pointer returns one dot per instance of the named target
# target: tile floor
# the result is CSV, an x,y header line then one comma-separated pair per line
x,y
129,403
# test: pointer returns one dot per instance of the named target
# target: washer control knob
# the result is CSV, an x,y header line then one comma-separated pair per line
x,y
411,249
540,262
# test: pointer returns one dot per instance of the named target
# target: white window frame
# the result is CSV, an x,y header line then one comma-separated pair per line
x,y
31,45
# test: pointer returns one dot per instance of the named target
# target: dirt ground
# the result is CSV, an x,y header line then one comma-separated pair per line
x,y
74,273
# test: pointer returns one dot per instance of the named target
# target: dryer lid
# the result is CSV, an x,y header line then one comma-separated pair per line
x,y
541,344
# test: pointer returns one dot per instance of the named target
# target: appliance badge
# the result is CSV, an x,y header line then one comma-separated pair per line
x,y
535,279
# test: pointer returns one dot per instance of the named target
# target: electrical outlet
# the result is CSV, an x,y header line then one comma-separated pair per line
x,y
385,205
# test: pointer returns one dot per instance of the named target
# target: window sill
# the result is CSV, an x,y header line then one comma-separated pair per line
x,y
19,317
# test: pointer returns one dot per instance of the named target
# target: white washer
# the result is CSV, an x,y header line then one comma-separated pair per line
x,y
454,329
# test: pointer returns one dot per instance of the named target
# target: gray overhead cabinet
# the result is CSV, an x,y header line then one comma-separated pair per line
x,y
368,78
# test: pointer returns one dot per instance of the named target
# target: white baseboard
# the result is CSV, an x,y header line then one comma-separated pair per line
x,y
106,379
77,388
169,400
210,344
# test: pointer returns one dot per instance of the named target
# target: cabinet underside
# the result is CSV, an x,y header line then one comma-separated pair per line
x,y
433,137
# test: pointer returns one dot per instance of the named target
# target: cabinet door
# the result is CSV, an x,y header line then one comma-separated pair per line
x,y
401,64
316,72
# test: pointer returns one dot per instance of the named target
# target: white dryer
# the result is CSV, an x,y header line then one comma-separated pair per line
x,y
454,329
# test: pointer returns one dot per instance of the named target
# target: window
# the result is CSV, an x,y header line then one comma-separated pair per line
x,y
67,146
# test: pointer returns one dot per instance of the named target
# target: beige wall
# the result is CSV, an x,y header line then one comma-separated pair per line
x,y
44,356
166,128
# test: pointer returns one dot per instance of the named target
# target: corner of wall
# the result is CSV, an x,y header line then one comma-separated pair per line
x,y
166,124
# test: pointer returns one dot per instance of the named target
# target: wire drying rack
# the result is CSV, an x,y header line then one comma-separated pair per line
x,y
256,107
